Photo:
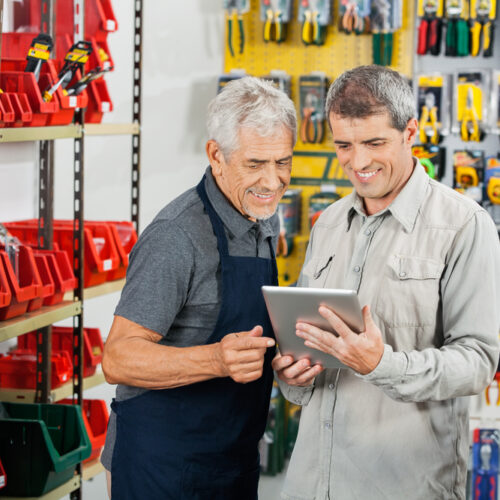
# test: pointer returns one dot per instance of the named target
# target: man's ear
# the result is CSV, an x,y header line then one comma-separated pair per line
x,y
411,131
215,157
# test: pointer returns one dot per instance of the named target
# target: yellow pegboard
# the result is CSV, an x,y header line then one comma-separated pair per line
x,y
314,165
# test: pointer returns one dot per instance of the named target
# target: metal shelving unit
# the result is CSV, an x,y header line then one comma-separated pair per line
x,y
38,319
73,305
65,391
67,488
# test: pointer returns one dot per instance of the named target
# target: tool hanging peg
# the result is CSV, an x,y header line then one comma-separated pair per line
x,y
234,16
38,53
315,16
276,14
482,19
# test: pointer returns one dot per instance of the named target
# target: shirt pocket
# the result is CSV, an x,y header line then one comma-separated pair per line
x,y
316,270
409,291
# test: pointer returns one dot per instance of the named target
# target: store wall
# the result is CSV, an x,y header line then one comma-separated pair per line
x,y
182,57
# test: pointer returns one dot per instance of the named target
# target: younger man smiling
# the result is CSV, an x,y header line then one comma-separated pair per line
x,y
426,262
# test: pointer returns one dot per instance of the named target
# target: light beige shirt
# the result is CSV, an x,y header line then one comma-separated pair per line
x,y
429,266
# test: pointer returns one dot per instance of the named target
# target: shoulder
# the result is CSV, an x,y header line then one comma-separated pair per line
x,y
336,214
448,208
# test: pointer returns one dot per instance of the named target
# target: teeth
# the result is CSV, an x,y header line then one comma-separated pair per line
x,y
263,196
366,175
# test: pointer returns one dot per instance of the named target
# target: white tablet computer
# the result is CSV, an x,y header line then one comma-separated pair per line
x,y
287,305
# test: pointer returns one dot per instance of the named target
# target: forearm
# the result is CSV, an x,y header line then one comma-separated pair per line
x,y
142,363
435,374
295,394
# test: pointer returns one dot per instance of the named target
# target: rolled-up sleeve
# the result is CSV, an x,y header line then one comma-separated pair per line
x,y
466,362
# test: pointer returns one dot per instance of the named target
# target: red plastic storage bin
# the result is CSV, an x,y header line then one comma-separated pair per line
x,y
18,369
62,340
23,289
3,476
62,275
95,417
7,113
99,19
125,237
5,294
47,287
101,255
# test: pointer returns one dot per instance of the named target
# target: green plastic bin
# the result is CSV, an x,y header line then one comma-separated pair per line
x,y
40,445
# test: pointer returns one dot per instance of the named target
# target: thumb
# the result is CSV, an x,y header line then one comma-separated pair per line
x,y
256,331
368,319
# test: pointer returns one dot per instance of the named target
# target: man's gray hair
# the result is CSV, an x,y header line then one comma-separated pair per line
x,y
369,90
249,102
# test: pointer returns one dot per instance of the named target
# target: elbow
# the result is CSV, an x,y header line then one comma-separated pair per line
x,y
109,366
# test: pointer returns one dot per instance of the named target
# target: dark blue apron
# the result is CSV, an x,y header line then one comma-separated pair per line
x,y
200,441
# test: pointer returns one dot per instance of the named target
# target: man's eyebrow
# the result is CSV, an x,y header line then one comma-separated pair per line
x,y
256,160
374,139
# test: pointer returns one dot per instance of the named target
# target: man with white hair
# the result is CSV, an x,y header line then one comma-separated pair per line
x,y
191,344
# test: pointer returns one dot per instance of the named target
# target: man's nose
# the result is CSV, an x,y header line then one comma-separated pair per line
x,y
360,159
271,179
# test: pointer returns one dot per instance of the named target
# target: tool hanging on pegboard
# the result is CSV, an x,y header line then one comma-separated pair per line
x,y
314,16
354,16
457,28
386,17
234,17
275,14
482,26
430,27
313,89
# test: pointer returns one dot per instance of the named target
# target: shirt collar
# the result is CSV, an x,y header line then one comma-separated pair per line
x,y
405,206
236,224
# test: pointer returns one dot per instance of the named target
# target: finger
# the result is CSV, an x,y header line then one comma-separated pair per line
x,y
246,356
256,331
242,343
310,332
368,319
296,369
280,362
250,377
309,375
338,325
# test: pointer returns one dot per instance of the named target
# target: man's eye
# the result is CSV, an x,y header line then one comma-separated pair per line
x,y
342,146
376,144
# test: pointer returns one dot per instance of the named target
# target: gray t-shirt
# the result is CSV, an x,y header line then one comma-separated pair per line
x,y
173,282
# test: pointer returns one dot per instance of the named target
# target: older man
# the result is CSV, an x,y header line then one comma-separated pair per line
x,y
426,261
191,343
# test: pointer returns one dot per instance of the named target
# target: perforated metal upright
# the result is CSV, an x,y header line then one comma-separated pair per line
x,y
45,227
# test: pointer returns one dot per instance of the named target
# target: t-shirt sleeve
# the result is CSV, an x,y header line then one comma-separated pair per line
x,y
160,270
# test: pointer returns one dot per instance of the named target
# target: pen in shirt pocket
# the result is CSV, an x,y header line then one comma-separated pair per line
x,y
319,272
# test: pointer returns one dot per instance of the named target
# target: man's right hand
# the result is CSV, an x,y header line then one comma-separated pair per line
x,y
299,373
241,355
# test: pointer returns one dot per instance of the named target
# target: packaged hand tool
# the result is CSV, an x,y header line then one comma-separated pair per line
x,y
234,16
74,60
468,166
492,184
485,464
432,101
457,29
354,16
38,53
430,28
432,158
482,26
386,17
281,80
312,93
79,86
275,14
471,109
314,16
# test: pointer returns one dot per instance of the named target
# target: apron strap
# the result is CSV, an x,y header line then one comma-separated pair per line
x,y
217,225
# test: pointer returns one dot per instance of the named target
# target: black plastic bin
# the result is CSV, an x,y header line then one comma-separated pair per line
x,y
40,446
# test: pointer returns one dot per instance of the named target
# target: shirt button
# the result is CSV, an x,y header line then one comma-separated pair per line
x,y
331,386
402,274
328,425
356,269
368,232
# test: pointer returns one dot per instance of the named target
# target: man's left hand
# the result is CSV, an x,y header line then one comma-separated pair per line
x,y
361,352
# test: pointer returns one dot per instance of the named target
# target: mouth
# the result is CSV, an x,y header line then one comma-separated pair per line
x,y
366,176
262,197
